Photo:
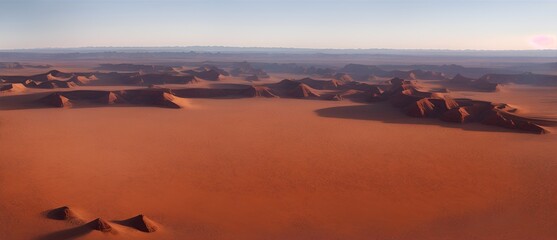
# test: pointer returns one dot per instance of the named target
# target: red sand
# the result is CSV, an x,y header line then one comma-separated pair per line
x,y
273,169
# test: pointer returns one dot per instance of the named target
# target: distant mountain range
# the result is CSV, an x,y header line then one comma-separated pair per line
x,y
223,49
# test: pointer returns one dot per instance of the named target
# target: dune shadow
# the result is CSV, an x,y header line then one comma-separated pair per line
x,y
384,112
138,222
131,223
33,101
230,85
56,213
23,101
67,234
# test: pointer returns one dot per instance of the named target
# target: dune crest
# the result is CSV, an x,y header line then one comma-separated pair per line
x,y
57,100
13,88
149,97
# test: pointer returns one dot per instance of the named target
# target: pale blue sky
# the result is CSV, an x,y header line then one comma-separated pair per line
x,y
401,24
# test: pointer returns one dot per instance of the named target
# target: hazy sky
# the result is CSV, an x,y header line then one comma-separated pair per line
x,y
416,24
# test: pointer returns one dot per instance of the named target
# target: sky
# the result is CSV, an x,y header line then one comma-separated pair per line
x,y
339,24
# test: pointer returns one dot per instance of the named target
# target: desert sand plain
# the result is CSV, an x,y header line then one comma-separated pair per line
x,y
274,168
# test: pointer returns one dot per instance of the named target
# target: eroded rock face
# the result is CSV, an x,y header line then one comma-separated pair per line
x,y
322,84
495,118
304,91
457,115
259,91
416,103
444,104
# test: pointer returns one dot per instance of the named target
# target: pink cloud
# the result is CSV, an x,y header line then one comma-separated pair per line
x,y
543,41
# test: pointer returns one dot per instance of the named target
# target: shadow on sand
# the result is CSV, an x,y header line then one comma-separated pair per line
x,y
67,234
386,113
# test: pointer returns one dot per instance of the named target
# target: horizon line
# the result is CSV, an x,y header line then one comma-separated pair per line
x,y
283,48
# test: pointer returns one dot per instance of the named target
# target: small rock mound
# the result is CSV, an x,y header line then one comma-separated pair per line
x,y
64,213
141,223
100,224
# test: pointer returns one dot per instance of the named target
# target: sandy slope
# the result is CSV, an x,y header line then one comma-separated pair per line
x,y
274,169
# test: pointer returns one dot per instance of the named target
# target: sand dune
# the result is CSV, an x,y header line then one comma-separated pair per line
x,y
65,213
252,78
110,98
128,67
328,157
156,97
525,78
52,79
343,77
303,91
56,100
82,80
141,223
465,83
244,68
368,72
205,74
152,78
322,84
146,97
484,181
403,94
12,88
100,225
